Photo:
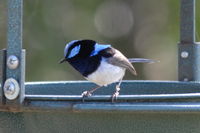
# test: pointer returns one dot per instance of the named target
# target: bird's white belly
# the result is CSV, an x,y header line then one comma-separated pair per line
x,y
106,74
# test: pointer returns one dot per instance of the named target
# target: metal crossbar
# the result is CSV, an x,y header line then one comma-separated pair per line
x,y
119,98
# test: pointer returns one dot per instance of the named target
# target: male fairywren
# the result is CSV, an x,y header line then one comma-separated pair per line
x,y
99,63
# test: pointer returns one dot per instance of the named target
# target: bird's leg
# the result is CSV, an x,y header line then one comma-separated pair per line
x,y
117,89
89,92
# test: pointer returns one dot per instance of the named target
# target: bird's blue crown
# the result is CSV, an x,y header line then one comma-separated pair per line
x,y
70,52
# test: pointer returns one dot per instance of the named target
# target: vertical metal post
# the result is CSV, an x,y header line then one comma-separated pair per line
x,y
187,23
189,50
15,70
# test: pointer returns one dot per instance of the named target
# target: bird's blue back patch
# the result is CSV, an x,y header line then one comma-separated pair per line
x,y
74,51
98,47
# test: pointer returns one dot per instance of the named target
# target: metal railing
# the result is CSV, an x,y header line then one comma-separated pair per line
x,y
182,95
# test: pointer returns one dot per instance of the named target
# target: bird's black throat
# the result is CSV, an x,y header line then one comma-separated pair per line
x,y
86,65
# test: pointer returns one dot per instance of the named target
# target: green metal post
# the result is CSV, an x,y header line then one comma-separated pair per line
x,y
15,55
189,50
187,23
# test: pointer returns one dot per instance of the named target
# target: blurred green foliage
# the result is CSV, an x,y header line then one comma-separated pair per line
x,y
152,31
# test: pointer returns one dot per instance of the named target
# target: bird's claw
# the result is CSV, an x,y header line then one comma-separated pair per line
x,y
114,96
85,94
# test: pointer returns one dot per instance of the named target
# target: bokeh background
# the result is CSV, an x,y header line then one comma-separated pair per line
x,y
138,28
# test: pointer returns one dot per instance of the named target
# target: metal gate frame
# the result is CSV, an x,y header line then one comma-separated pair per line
x,y
170,96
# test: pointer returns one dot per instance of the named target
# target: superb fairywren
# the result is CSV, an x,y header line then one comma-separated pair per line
x,y
99,63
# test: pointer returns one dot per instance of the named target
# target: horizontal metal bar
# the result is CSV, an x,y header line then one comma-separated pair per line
x,y
155,96
167,107
131,87
99,106
108,97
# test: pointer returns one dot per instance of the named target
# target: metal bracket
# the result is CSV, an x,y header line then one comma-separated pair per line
x,y
11,91
15,79
189,62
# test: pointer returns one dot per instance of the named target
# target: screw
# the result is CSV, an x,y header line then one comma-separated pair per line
x,y
185,79
12,62
11,89
184,54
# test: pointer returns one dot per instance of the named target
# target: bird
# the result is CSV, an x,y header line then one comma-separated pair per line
x,y
99,63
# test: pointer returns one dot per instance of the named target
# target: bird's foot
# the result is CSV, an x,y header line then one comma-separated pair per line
x,y
115,95
85,94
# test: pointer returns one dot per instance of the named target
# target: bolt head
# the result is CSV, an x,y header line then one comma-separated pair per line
x,y
12,62
185,79
184,54
11,89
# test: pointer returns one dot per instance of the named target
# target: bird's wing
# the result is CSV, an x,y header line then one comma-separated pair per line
x,y
141,60
115,57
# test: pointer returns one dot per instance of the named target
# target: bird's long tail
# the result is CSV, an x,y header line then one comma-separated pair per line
x,y
142,60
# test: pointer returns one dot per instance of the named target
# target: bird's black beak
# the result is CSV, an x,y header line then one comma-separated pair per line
x,y
62,60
